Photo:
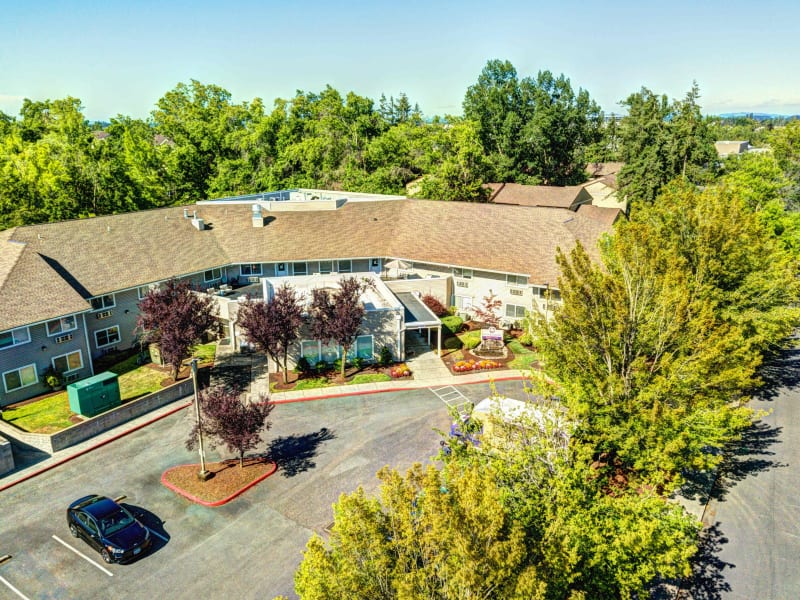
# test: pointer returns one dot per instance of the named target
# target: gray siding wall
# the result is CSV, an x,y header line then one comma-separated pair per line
x,y
40,351
123,316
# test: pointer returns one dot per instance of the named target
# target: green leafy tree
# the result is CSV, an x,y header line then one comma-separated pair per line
x,y
434,534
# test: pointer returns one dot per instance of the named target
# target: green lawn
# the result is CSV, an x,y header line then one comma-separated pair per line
x,y
370,378
48,415
205,352
311,384
524,357
52,413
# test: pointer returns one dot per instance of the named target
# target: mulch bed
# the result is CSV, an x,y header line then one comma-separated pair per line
x,y
276,379
228,478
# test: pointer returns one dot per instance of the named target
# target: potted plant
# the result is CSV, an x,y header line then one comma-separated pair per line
x,y
53,379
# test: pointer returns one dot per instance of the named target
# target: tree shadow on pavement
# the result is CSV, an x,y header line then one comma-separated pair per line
x,y
749,456
295,453
707,581
781,371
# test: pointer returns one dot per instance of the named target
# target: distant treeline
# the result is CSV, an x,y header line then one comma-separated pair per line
x,y
198,144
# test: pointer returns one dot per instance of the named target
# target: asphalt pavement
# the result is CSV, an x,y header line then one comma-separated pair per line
x,y
249,548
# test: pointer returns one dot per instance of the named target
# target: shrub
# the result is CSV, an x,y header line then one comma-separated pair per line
x,y
386,357
452,310
452,343
321,366
357,363
303,366
453,324
337,365
472,342
432,302
526,339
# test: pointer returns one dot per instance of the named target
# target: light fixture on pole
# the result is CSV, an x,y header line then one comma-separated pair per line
x,y
203,475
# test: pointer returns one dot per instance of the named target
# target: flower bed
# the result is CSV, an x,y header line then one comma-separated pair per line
x,y
400,371
464,366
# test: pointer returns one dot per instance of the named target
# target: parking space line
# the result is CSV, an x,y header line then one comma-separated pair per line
x,y
13,589
158,535
82,555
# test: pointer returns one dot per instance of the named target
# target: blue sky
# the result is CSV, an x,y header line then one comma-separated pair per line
x,y
121,57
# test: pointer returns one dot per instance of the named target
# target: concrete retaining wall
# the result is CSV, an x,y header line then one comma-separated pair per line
x,y
91,427
6,456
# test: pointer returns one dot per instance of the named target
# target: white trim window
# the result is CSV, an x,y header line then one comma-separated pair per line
x,y
330,351
280,269
310,350
62,325
66,363
251,270
19,378
362,348
142,291
516,280
345,266
463,302
300,268
212,275
325,267
107,337
462,273
515,311
14,337
103,302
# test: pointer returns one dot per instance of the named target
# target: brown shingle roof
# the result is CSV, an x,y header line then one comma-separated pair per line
x,y
602,169
607,216
541,195
30,289
61,264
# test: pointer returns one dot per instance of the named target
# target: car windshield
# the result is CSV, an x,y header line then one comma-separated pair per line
x,y
116,521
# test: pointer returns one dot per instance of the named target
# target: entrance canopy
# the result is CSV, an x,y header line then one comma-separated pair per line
x,y
418,316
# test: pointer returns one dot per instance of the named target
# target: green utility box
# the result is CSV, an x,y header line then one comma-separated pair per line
x,y
94,395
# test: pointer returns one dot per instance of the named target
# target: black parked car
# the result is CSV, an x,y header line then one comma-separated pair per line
x,y
108,528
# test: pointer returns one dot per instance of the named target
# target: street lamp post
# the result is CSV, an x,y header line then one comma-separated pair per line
x,y
203,474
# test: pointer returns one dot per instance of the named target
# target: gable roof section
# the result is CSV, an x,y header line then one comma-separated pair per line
x,y
105,254
541,195
30,290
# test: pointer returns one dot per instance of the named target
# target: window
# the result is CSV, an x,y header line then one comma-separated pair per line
x,y
363,348
15,337
310,349
462,273
519,280
345,266
252,269
68,362
330,351
300,268
106,337
514,311
212,275
281,269
464,302
375,262
61,325
102,302
325,266
20,378
142,291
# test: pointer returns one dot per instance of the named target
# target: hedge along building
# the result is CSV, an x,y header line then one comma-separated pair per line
x,y
69,291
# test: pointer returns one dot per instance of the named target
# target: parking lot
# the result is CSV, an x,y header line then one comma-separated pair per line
x,y
246,549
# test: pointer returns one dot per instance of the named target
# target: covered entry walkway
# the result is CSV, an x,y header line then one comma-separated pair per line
x,y
419,318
